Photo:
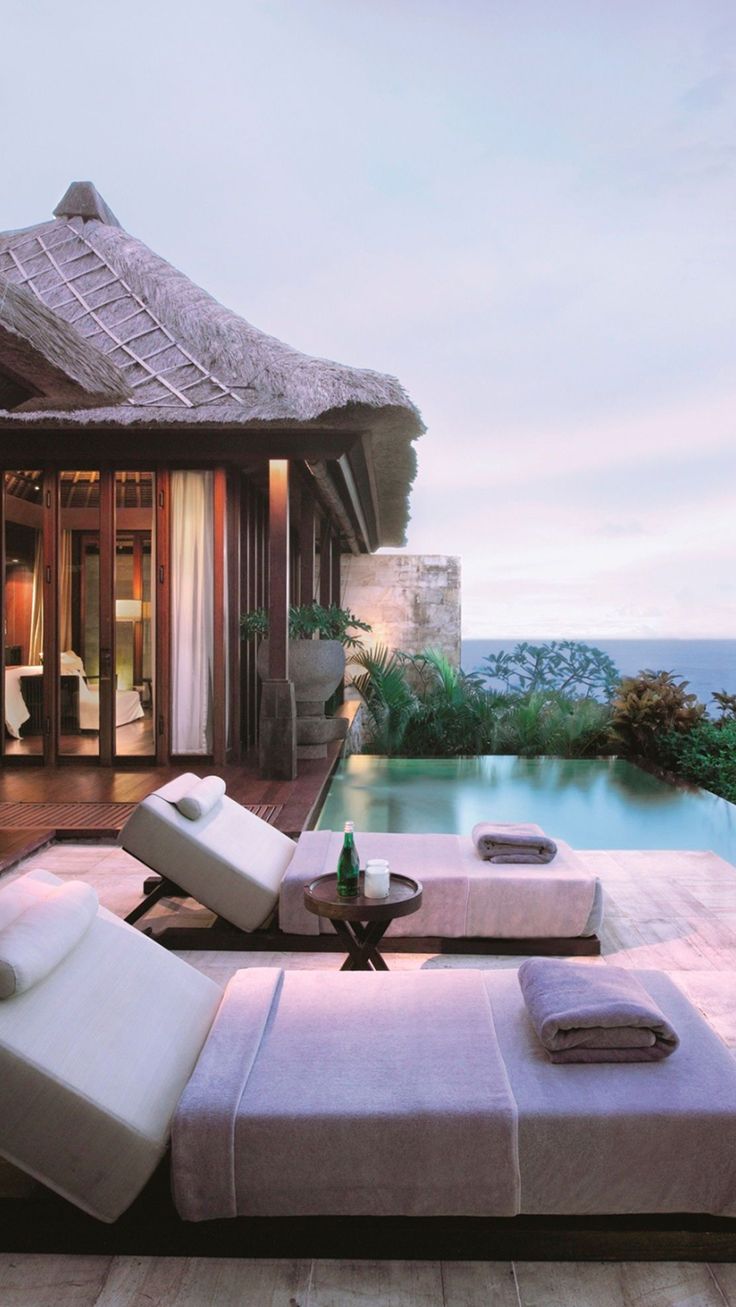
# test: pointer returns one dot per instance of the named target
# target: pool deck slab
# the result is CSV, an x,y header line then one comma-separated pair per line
x,y
672,911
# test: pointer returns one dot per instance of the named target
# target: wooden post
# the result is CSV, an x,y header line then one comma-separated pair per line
x,y
50,617
107,539
219,645
335,571
3,622
325,565
307,521
277,735
161,706
234,608
137,594
278,569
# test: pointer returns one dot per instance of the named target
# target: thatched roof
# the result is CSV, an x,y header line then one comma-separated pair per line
x,y
190,361
49,359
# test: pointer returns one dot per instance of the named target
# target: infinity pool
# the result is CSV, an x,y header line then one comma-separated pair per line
x,y
593,804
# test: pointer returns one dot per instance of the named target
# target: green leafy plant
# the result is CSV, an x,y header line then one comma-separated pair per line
x,y
307,620
727,704
552,724
388,697
567,667
422,706
650,706
705,755
454,712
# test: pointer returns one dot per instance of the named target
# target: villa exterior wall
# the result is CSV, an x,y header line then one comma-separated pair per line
x,y
412,601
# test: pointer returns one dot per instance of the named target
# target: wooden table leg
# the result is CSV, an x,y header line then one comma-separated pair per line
x,y
361,943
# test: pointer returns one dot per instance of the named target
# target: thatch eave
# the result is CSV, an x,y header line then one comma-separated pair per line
x,y
44,352
193,364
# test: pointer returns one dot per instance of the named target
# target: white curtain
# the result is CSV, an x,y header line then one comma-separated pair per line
x,y
35,641
192,526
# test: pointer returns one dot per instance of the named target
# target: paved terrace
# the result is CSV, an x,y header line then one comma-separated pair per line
x,y
674,911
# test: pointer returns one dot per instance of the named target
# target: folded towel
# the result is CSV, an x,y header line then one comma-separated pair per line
x,y
593,1014
509,842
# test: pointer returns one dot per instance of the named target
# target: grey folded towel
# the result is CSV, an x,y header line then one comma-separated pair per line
x,y
512,842
593,1014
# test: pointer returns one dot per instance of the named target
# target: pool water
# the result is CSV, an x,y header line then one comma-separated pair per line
x,y
592,803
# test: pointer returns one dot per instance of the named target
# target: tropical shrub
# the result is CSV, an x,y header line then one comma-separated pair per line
x,y
705,755
307,620
534,724
454,714
389,700
727,705
422,706
566,667
649,707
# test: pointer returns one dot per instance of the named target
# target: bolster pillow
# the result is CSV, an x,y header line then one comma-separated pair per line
x,y
202,798
19,895
42,936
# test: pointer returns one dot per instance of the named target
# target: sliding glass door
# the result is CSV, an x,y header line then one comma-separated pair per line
x,y
135,682
23,606
82,682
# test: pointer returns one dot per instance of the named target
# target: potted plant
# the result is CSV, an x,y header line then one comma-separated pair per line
x,y
316,665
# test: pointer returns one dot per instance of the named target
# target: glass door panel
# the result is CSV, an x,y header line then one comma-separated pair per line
x,y
134,617
79,613
23,585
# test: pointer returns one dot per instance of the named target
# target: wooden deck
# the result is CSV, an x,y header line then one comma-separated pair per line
x,y
84,802
672,911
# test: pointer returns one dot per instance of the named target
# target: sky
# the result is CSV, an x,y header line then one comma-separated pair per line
x,y
522,209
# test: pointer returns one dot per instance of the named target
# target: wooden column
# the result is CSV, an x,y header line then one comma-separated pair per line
x,y
277,734
325,565
235,606
138,595
335,571
161,706
3,621
219,645
107,617
50,617
307,523
278,569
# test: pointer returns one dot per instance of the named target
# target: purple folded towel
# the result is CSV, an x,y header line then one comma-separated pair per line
x,y
593,1014
512,842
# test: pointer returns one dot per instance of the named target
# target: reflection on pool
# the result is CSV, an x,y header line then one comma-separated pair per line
x,y
593,804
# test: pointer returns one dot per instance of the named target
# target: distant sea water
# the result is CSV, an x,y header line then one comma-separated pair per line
x,y
708,665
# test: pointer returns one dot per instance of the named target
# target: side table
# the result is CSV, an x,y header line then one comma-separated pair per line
x,y
360,922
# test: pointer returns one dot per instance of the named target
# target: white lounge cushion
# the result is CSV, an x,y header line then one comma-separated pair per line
x,y
230,860
17,895
202,798
42,936
93,1060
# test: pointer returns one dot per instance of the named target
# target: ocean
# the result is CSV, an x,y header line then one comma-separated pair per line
x,y
708,665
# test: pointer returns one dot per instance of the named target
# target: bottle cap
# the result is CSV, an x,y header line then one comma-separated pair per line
x,y
348,826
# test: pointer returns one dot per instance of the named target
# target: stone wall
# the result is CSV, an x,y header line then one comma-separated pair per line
x,y
412,601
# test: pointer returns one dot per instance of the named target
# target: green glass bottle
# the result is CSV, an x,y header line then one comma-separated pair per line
x,y
348,865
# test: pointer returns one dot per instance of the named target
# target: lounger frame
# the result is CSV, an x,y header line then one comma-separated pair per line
x,y
223,936
151,1228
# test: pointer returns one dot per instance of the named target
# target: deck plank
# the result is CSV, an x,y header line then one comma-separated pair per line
x,y
191,1281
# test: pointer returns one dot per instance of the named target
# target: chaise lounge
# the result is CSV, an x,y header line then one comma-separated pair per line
x,y
281,1115
202,844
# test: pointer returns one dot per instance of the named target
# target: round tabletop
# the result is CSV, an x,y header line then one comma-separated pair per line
x,y
322,898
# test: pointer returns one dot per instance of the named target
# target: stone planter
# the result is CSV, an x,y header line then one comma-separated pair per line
x,y
316,668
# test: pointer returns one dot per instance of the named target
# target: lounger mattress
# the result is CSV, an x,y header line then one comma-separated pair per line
x,y
464,896
428,1094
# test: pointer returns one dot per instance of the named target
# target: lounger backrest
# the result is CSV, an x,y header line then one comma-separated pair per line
x,y
93,1060
229,860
